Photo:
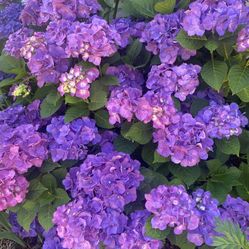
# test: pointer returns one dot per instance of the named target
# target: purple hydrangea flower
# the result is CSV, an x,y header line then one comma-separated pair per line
x,y
236,210
112,177
223,121
134,234
92,41
22,147
243,40
157,107
160,37
210,95
219,16
186,142
35,227
86,223
16,41
9,17
68,141
172,206
123,99
13,188
207,210
77,81
181,80
38,12
107,139
52,241
122,103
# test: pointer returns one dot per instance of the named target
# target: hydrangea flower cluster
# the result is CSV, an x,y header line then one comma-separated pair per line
x,y
52,241
40,12
101,186
172,206
243,40
236,210
13,188
77,81
219,16
68,141
160,37
181,80
207,210
123,99
92,41
9,17
157,107
223,121
186,142
20,90
134,234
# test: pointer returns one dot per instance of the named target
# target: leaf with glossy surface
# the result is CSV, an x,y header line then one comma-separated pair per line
x,y
102,119
214,73
165,7
123,145
76,111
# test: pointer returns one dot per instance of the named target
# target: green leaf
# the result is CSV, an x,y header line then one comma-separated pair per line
x,y
214,73
181,241
222,180
225,47
7,82
51,104
98,96
49,166
102,119
138,132
46,199
61,197
133,51
123,145
4,222
25,217
59,174
229,146
41,93
109,80
182,4
165,7
12,65
72,100
155,233
243,188
152,179
190,42
49,181
45,216
197,105
144,8
159,159
9,235
35,189
211,45
238,78
233,237
187,175
244,95
76,111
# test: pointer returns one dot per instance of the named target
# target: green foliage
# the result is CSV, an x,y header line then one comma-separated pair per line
x,y
181,241
229,146
214,73
102,119
133,51
243,188
9,64
233,237
165,7
221,179
76,111
123,145
155,233
98,96
137,132
191,42
186,175
51,104
238,78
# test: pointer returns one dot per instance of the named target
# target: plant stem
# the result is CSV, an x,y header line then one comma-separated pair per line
x,y
116,8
